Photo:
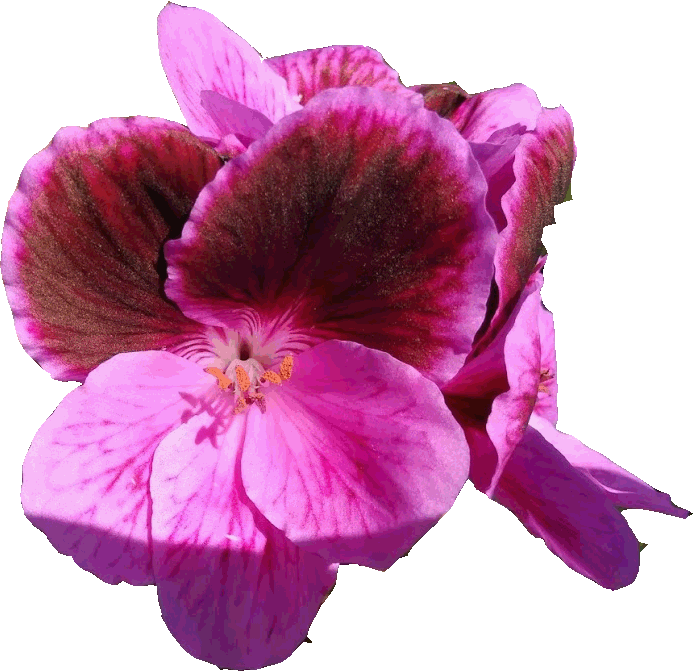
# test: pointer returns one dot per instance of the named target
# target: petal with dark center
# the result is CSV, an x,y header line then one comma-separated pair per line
x,y
232,589
86,476
542,169
309,72
561,505
361,217
481,115
356,457
82,254
621,487
199,53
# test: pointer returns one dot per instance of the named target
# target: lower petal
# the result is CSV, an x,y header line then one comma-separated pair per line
x,y
577,521
86,476
232,589
621,487
357,456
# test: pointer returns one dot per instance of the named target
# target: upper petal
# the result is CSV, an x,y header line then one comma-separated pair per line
x,y
232,589
199,53
481,115
310,72
86,477
357,456
621,487
81,248
559,504
361,217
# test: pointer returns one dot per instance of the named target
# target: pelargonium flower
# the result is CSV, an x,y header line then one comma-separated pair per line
x,y
282,414
505,397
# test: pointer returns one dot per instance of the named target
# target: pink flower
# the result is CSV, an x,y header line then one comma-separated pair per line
x,y
505,397
282,414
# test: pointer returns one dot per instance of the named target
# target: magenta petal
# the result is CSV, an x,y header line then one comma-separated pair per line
x,y
81,248
546,403
309,72
482,114
233,117
361,218
621,487
497,387
357,456
199,53
86,476
559,504
232,589
542,169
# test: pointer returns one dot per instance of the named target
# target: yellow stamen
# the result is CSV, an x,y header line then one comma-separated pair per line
x,y
286,367
242,379
223,380
271,376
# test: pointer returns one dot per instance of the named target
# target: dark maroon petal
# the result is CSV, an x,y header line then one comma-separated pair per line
x,y
359,218
82,254
444,99
312,71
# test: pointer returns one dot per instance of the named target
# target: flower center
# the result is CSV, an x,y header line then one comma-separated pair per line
x,y
245,377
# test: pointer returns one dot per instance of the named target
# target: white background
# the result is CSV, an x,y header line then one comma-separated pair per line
x,y
478,591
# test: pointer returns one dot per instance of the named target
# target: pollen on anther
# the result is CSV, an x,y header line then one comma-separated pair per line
x,y
286,367
271,376
242,379
223,380
241,405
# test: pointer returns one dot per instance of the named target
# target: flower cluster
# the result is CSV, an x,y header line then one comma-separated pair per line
x,y
301,322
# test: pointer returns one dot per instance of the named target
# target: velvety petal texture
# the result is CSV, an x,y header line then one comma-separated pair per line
x,y
357,456
86,476
199,53
82,255
569,512
360,218
309,72
622,488
233,590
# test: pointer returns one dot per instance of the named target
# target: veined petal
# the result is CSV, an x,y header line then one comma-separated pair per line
x,y
356,457
232,117
199,53
233,590
495,391
546,403
81,248
86,476
361,217
481,115
561,505
309,72
621,487
542,169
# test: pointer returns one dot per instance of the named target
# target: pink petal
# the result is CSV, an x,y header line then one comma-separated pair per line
x,y
559,504
309,72
542,170
546,404
495,391
361,217
621,487
482,114
357,456
199,53
232,589
86,476
233,117
81,248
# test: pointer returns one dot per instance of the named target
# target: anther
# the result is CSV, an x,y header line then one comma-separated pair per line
x,y
271,376
241,405
223,380
242,379
286,367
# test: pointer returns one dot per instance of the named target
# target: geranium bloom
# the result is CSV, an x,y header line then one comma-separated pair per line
x,y
275,424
